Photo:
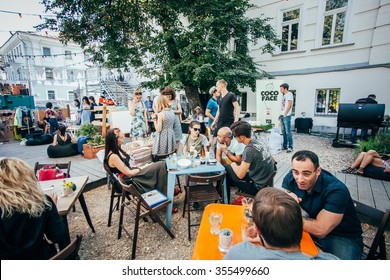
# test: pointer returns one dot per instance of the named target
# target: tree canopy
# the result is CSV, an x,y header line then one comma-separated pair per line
x,y
186,44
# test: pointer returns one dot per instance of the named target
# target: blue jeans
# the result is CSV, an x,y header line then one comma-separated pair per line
x,y
53,125
285,123
363,134
342,247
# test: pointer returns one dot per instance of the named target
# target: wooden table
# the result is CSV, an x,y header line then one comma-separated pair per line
x,y
206,245
65,204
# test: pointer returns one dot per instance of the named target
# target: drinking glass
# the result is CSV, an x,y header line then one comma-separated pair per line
x,y
215,219
225,241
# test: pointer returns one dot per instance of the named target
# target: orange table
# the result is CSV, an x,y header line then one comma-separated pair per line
x,y
206,245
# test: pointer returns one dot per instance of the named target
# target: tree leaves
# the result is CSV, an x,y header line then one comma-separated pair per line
x,y
187,42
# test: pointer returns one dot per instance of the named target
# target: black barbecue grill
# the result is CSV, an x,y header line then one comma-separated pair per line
x,y
366,115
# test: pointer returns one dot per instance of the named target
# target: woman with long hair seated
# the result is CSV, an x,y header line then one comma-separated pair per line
x,y
153,176
64,145
28,216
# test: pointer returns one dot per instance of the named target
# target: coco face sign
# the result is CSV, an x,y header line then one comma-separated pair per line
x,y
268,101
269,94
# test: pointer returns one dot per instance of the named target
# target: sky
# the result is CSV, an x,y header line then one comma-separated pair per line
x,y
12,22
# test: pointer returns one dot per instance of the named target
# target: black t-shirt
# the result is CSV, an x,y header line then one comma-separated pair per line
x,y
226,108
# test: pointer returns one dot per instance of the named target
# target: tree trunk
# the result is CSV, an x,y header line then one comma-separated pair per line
x,y
192,94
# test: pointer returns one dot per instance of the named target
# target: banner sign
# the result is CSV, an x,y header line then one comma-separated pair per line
x,y
268,101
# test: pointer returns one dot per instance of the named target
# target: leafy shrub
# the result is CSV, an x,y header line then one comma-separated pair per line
x,y
380,143
87,129
96,140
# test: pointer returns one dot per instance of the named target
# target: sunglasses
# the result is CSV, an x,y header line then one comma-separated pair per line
x,y
138,93
196,129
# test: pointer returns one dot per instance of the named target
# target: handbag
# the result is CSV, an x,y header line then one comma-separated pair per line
x,y
50,172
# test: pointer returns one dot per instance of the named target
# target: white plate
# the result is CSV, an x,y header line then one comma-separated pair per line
x,y
184,163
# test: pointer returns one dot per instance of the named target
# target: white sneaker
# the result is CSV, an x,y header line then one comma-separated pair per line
x,y
289,150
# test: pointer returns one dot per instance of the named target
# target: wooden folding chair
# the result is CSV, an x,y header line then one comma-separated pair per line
x,y
71,251
132,200
116,192
377,249
201,189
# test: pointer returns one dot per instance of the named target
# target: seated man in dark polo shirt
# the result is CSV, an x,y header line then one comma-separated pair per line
x,y
331,216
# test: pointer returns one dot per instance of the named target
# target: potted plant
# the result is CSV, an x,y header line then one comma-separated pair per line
x,y
89,141
93,145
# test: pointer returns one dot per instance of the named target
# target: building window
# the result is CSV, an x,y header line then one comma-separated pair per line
x,y
46,51
294,92
244,101
327,101
49,73
68,55
290,30
51,95
334,22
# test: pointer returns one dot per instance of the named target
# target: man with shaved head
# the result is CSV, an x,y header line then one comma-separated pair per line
x,y
228,148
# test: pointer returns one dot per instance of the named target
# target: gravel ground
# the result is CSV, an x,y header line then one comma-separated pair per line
x,y
153,242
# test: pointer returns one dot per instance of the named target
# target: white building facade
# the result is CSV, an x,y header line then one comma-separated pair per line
x,y
332,52
49,69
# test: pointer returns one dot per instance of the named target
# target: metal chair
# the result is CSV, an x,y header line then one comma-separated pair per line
x,y
200,189
377,249
133,201
71,251
116,192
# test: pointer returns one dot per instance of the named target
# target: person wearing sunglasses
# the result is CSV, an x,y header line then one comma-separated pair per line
x,y
195,141
331,216
139,122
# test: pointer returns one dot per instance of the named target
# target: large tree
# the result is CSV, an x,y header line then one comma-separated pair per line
x,y
182,43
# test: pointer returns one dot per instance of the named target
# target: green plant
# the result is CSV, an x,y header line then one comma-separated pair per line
x,y
96,140
380,143
87,129
265,127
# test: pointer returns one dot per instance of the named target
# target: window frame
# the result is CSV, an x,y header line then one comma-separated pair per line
x,y
51,91
68,55
321,20
48,53
326,109
49,69
289,23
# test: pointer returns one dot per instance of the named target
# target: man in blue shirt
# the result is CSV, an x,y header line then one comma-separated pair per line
x,y
278,223
211,112
331,216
